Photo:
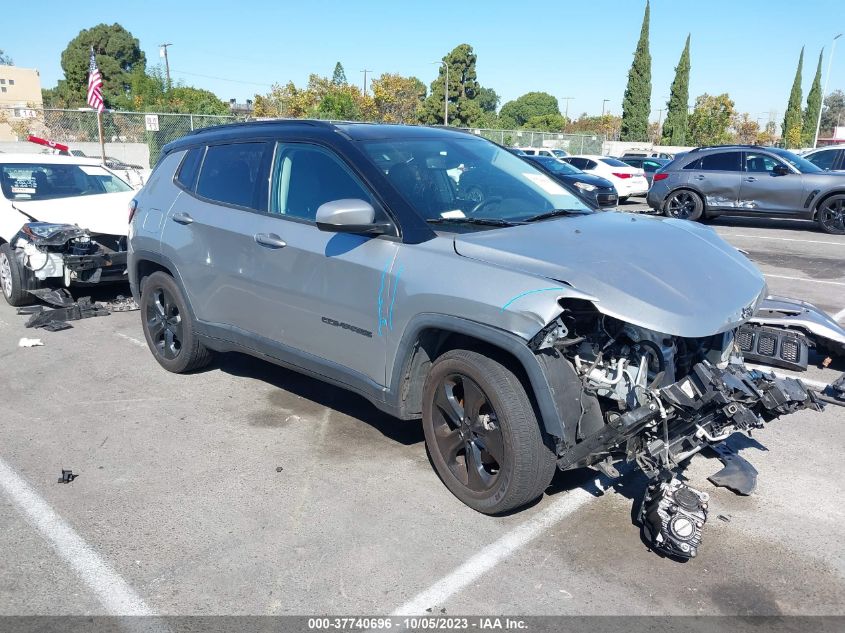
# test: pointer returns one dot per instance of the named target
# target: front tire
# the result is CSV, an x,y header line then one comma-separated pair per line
x,y
482,434
684,205
15,280
168,326
831,215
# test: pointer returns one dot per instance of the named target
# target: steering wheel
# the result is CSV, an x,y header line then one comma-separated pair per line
x,y
484,203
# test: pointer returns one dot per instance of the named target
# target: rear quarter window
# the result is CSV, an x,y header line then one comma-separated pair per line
x,y
188,170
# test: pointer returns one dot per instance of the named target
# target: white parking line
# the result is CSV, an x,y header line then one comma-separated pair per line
x,y
815,281
131,339
110,588
493,554
839,316
784,239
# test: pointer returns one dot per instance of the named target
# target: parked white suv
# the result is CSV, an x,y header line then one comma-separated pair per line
x,y
63,220
554,152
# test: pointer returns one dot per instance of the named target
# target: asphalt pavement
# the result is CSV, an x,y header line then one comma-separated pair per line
x,y
249,489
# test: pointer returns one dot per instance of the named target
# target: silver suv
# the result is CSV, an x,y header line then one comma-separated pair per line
x,y
746,180
353,253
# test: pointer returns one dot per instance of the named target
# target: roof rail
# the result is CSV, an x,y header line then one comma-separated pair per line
x,y
262,122
728,146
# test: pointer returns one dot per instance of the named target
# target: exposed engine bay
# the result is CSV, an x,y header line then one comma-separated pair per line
x,y
69,253
655,400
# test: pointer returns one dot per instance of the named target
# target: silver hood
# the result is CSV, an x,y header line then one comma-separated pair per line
x,y
671,276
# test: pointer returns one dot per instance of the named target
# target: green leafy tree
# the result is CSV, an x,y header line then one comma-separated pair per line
x,y
636,104
814,106
792,118
677,114
711,119
339,76
745,129
833,113
5,60
516,113
397,99
118,54
768,135
463,90
546,123
487,99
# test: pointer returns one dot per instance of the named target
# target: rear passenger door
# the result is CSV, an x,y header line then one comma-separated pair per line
x,y
718,177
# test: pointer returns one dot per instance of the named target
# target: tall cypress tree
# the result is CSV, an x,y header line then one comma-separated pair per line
x,y
339,76
675,127
792,119
814,106
636,104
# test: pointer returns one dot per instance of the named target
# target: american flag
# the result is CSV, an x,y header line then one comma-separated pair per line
x,y
95,85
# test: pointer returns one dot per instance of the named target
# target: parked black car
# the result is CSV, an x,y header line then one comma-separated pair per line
x,y
648,164
596,190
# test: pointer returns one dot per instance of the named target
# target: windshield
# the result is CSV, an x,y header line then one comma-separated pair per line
x,y
45,181
461,178
559,153
557,167
801,164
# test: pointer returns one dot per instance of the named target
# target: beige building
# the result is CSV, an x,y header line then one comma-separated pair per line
x,y
20,95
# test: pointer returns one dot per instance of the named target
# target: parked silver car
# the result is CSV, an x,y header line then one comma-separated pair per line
x,y
746,180
526,330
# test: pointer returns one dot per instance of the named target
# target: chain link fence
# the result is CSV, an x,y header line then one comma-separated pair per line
x,y
137,137
572,143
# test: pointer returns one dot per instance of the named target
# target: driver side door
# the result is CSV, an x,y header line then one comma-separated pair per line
x,y
765,190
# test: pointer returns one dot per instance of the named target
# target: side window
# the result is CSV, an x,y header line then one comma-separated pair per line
x,y
190,167
696,164
824,159
760,163
230,174
307,176
650,165
579,163
722,161
590,164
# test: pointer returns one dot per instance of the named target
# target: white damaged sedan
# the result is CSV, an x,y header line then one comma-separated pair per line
x,y
63,220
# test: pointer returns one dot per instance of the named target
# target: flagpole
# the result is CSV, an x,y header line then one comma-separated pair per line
x,y
102,142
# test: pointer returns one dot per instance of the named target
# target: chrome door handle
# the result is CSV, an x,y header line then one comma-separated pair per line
x,y
751,179
270,240
182,218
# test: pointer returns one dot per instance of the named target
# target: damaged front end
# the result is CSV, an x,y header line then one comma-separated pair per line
x,y
655,400
69,253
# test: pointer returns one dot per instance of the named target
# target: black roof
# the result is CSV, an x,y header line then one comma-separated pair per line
x,y
708,147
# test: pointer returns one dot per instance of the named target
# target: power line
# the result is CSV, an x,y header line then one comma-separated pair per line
x,y
234,81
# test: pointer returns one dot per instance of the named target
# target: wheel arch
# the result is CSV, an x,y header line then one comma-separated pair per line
x,y
429,336
143,264
823,198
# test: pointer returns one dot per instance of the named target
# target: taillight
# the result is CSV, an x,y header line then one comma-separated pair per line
x,y
133,205
623,175
659,176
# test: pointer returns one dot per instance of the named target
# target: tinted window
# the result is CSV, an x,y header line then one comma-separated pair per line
x,y
190,167
722,161
580,163
823,160
634,162
760,163
591,164
650,165
307,176
230,174
43,181
801,164
614,163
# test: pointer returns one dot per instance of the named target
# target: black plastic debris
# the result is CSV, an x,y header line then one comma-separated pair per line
x,y
836,390
67,476
279,469
737,475
58,297
84,308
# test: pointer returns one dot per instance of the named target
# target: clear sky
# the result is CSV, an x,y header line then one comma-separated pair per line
x,y
580,49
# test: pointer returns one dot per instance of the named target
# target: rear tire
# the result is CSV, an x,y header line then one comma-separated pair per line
x,y
168,326
15,280
683,205
482,434
831,215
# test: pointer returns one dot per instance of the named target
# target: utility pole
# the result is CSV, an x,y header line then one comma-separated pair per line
x,y
604,101
162,51
445,93
566,113
365,71
824,92
659,122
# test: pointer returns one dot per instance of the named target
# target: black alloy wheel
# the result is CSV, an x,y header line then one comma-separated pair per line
x,y
684,205
164,323
831,215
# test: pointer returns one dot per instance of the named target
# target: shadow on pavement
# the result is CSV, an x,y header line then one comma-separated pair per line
x,y
406,432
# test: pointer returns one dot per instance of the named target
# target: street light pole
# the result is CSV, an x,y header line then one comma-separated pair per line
x,y
824,92
445,93
604,101
567,99
365,71
163,53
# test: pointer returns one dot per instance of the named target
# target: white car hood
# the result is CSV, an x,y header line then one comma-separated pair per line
x,y
104,213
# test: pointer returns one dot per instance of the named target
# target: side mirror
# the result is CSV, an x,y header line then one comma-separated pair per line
x,y
780,170
350,215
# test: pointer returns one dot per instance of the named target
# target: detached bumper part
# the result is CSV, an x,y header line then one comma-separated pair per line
x,y
672,516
